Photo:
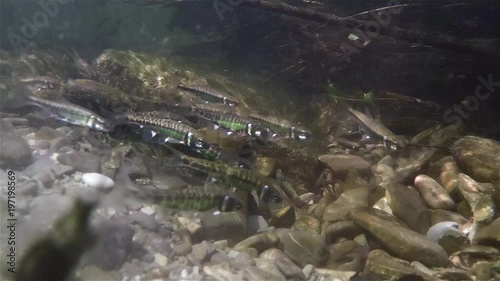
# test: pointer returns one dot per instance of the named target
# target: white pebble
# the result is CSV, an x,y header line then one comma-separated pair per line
x,y
184,273
54,156
97,180
147,210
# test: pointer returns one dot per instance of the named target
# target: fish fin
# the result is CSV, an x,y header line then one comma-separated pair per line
x,y
147,134
210,180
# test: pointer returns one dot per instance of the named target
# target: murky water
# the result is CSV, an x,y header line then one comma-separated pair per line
x,y
249,140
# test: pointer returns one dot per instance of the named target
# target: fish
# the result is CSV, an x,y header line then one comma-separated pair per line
x,y
239,178
173,131
375,126
163,114
84,69
283,126
39,83
60,110
210,94
229,120
192,198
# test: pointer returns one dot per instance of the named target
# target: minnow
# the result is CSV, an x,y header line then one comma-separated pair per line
x,y
190,198
174,132
283,126
63,111
229,120
377,128
83,67
240,178
165,115
39,83
210,94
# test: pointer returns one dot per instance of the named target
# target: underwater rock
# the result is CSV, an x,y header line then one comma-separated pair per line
x,y
346,229
349,200
478,157
99,181
15,152
270,267
82,161
434,194
283,263
347,255
405,203
303,247
448,178
383,265
113,245
478,196
490,234
343,163
306,221
402,241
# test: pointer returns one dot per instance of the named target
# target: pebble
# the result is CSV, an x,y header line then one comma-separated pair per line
x,y
160,259
146,221
48,133
113,246
14,150
433,193
343,163
82,161
98,181
148,210
200,251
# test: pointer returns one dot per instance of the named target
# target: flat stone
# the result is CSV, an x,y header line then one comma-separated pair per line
x,y
405,203
344,162
348,200
402,241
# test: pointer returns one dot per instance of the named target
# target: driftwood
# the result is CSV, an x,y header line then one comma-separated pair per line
x,y
442,41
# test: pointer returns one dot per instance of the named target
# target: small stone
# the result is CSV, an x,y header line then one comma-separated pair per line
x,y
82,161
147,221
113,246
96,180
160,259
221,244
200,251
14,150
343,163
48,133
147,210
433,193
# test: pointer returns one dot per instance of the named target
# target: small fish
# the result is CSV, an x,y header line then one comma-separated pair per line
x,y
229,120
39,83
282,126
240,178
84,69
172,131
378,129
211,95
192,198
61,110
